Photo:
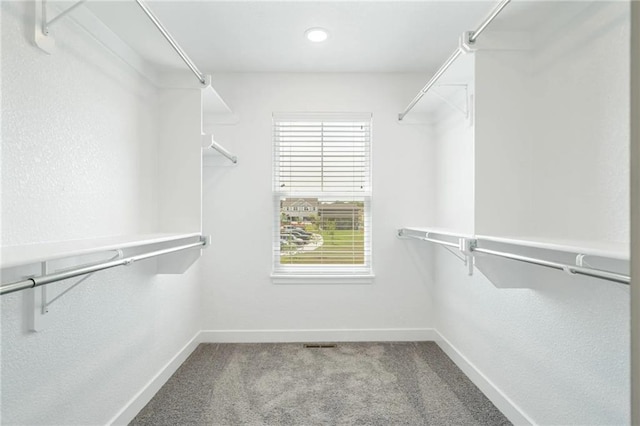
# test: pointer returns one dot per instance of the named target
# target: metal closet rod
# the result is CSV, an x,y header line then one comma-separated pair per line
x,y
472,38
172,42
59,276
431,240
572,269
215,145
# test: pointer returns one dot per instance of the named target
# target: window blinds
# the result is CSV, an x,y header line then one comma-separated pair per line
x,y
322,154
322,190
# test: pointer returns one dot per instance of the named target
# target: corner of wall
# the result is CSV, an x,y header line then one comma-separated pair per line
x,y
495,394
142,398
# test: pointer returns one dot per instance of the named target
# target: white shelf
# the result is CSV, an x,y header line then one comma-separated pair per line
x,y
610,250
215,110
448,96
591,248
611,259
34,253
439,231
212,103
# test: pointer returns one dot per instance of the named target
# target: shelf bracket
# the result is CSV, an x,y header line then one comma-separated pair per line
x,y
455,253
42,24
462,110
48,23
42,39
46,303
466,256
580,261
39,301
466,247
35,303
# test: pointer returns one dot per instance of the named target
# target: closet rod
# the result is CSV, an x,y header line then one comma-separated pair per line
x,y
431,240
471,245
474,35
59,276
172,42
472,38
215,145
431,82
572,269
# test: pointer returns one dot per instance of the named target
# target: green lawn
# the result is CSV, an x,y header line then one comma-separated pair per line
x,y
340,247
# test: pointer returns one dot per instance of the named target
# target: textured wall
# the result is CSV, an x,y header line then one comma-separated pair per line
x,y
552,127
559,349
74,144
581,94
77,139
78,162
635,211
454,197
238,209
504,140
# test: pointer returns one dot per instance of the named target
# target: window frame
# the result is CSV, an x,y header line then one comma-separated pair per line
x,y
322,274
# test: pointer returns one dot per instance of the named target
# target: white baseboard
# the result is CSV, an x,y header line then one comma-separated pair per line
x,y
499,399
143,397
333,335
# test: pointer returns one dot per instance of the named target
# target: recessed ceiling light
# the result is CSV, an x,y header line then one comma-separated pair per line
x,y
316,35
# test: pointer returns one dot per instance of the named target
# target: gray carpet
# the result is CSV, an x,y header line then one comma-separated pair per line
x,y
287,384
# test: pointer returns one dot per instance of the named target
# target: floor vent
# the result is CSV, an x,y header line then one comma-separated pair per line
x,y
320,345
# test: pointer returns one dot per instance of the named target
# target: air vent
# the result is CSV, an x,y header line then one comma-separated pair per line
x,y
319,345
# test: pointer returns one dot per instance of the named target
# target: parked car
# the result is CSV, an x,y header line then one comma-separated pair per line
x,y
300,235
290,228
291,239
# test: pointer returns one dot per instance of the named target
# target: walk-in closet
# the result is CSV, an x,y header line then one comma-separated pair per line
x,y
319,212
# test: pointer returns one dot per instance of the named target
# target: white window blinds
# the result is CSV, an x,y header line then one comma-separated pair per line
x,y
322,191
329,154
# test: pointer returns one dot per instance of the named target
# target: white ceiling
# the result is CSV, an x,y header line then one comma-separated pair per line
x,y
268,36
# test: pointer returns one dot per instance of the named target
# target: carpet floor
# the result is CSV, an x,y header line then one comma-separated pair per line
x,y
411,383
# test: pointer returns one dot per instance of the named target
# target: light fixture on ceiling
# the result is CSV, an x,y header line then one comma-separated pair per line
x,y
316,35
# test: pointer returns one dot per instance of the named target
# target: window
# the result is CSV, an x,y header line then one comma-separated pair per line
x,y
322,197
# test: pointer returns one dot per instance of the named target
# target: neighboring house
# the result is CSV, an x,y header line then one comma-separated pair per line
x,y
300,209
345,215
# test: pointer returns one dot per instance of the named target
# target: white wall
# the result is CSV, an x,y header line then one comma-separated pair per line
x,y
552,130
454,176
239,294
78,133
503,145
635,213
78,161
75,133
581,148
453,143
558,348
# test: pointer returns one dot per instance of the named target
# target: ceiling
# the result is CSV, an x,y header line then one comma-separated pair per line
x,y
268,36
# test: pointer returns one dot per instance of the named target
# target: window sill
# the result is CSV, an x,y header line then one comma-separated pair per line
x,y
321,279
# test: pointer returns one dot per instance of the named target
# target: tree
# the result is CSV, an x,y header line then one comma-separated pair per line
x,y
330,226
